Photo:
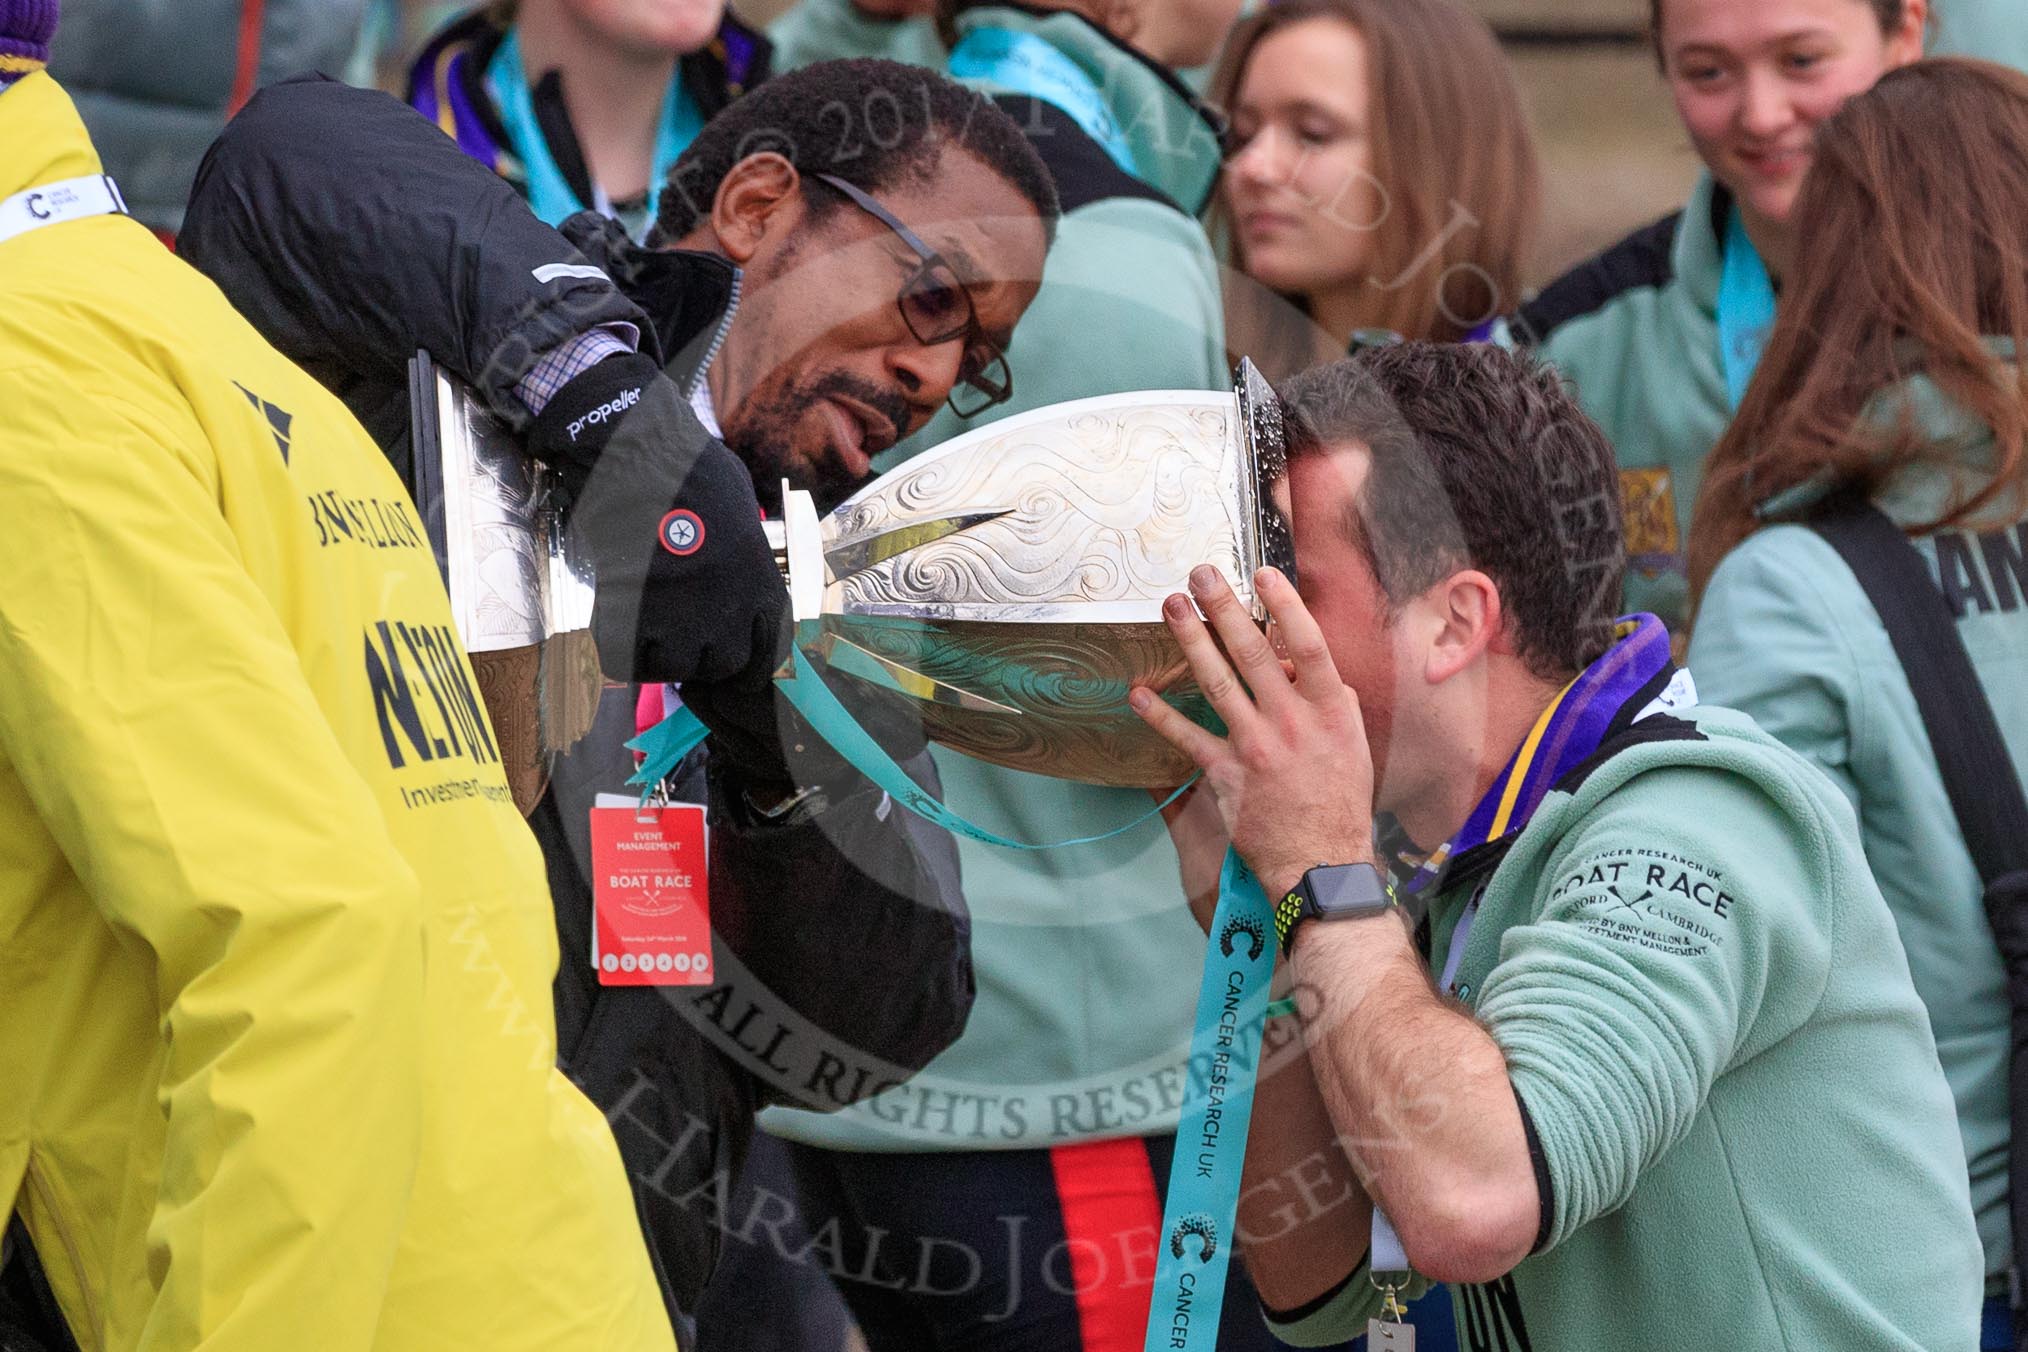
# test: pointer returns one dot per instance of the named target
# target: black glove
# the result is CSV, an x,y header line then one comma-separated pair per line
x,y
688,589
571,432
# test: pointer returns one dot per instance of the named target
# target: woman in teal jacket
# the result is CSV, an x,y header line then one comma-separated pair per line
x,y
1659,334
1892,371
828,30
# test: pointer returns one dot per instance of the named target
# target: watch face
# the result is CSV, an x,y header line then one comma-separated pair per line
x,y
1343,891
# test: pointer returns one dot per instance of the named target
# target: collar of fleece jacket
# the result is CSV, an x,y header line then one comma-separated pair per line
x,y
1174,137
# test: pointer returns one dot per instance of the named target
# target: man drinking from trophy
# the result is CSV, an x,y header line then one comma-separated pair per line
x,y
1606,1021
815,290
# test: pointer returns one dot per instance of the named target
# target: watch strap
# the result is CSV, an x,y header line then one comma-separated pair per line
x,y
1288,911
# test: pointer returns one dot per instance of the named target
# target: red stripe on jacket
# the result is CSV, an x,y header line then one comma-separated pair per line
x,y
1111,1222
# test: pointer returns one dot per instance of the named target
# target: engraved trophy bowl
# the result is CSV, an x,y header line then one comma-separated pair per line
x,y
1010,582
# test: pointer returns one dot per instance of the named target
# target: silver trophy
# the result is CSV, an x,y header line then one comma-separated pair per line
x,y
521,599
1011,581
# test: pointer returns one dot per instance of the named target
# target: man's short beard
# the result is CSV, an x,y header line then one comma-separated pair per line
x,y
761,439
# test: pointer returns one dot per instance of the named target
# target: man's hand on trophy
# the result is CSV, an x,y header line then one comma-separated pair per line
x,y
1294,776
687,586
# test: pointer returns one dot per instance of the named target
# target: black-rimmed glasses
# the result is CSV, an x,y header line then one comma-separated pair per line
x,y
938,309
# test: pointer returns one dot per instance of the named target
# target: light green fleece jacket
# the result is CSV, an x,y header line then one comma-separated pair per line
x,y
828,30
1786,634
1084,956
1704,1006
1992,30
1635,334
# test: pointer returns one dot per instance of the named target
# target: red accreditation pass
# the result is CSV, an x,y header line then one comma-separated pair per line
x,y
652,913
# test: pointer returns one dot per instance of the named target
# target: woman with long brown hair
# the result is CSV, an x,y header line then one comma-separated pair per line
x,y
1384,176
1917,261
1893,371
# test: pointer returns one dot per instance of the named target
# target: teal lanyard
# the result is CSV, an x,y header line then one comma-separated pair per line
x,y
1025,64
1195,1245
666,744
663,748
549,192
1746,308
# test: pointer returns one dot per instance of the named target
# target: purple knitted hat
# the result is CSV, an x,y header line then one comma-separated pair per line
x,y
26,27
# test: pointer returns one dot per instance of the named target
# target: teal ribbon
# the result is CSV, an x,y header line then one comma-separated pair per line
x,y
669,741
1746,308
1198,1223
549,192
663,748
1025,64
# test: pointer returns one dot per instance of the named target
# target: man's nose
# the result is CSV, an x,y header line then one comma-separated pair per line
x,y
927,374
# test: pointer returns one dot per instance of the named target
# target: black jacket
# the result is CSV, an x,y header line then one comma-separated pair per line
x,y
352,233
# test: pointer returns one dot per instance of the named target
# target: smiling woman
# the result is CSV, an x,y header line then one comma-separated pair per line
x,y
1893,375
1753,81
1661,333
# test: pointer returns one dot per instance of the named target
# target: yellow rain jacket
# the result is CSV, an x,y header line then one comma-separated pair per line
x,y
276,1044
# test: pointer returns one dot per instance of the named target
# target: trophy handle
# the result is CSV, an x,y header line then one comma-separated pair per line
x,y
1267,462
520,598
805,553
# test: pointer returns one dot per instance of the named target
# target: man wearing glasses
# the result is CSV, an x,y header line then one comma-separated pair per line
x,y
822,427
838,256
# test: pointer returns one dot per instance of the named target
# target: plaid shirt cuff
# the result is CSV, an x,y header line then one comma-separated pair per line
x,y
558,366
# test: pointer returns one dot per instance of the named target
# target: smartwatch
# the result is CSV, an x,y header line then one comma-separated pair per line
x,y
1334,892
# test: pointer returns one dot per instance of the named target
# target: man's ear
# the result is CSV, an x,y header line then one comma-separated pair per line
x,y
750,201
1469,623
